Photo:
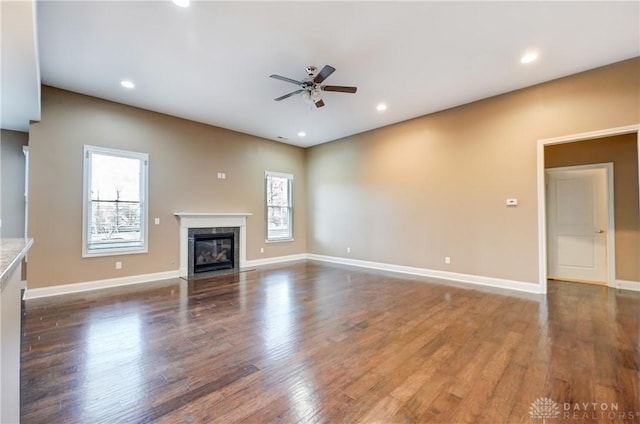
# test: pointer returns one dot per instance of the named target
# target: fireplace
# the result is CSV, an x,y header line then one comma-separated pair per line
x,y
192,223
212,252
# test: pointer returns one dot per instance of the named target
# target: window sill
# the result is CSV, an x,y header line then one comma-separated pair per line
x,y
279,240
114,252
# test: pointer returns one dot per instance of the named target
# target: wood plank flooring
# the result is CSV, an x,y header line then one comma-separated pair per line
x,y
318,343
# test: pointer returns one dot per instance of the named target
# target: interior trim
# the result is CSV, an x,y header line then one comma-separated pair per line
x,y
628,285
501,283
97,284
424,272
276,260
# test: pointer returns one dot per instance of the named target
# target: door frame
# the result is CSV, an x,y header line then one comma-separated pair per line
x,y
611,240
542,207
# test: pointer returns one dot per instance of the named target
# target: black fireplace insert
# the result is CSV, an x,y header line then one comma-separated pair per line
x,y
213,252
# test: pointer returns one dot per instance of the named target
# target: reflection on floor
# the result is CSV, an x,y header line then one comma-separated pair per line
x,y
311,342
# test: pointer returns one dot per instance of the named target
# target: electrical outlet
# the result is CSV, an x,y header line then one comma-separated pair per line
x,y
447,260
157,221
118,265
262,250
348,250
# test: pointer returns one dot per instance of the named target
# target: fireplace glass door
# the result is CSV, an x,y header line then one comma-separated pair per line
x,y
213,252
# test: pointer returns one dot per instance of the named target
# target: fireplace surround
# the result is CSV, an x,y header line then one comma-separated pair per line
x,y
192,223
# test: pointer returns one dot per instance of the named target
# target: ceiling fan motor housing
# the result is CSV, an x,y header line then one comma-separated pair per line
x,y
311,70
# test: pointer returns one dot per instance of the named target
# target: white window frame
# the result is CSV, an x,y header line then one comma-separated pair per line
x,y
86,202
289,177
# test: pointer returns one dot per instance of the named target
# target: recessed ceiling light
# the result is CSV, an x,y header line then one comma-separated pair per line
x,y
127,84
302,134
381,107
529,57
181,3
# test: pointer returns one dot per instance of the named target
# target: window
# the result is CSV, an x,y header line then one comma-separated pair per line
x,y
114,202
279,206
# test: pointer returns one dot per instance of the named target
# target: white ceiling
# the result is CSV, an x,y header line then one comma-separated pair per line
x,y
211,62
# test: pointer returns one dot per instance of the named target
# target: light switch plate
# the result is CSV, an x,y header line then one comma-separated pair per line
x,y
512,202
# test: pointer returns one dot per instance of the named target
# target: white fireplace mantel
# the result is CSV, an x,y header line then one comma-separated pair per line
x,y
210,220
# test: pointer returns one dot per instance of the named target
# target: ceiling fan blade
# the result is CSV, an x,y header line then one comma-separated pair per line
x,y
281,78
293,93
319,103
339,88
324,73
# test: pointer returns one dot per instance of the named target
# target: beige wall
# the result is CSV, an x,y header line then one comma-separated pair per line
x,y
415,192
12,182
407,194
622,150
184,159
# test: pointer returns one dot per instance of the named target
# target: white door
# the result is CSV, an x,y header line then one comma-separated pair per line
x,y
577,223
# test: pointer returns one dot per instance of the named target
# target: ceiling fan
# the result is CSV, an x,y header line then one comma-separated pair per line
x,y
310,87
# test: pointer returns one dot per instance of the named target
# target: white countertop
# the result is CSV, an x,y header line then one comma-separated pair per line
x,y
11,253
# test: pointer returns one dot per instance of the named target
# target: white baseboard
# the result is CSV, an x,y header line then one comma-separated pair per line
x,y
137,279
98,284
275,260
424,272
628,285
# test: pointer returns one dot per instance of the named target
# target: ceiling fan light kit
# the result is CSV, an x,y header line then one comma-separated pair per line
x,y
311,87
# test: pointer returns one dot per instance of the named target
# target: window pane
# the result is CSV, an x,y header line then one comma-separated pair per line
x,y
115,178
277,191
278,222
115,224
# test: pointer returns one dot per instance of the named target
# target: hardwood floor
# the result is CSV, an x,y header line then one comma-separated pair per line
x,y
312,342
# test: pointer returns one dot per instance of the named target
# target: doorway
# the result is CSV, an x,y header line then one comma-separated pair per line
x,y
580,224
625,273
